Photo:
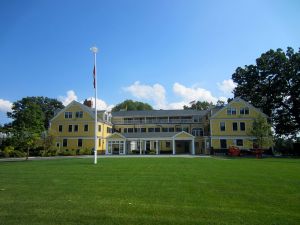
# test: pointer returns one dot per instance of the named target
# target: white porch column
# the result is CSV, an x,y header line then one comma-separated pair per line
x,y
193,146
173,146
156,147
106,148
124,147
140,146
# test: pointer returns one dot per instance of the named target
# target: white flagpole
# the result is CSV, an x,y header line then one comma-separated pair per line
x,y
95,50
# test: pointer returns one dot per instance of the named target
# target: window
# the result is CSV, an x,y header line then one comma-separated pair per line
x,y
130,130
168,144
60,128
197,131
109,130
86,127
178,129
222,126
234,126
75,128
65,142
223,143
171,129
99,128
79,143
79,114
157,129
125,130
70,128
244,111
231,111
186,129
151,129
164,129
247,111
196,119
68,115
143,130
242,126
239,142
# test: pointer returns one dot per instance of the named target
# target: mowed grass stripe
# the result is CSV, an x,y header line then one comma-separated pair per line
x,y
150,191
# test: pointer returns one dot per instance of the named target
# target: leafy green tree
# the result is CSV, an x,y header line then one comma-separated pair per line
x,y
129,105
27,117
48,139
273,84
27,126
199,105
48,106
261,130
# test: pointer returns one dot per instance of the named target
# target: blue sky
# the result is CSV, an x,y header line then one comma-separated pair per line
x,y
164,52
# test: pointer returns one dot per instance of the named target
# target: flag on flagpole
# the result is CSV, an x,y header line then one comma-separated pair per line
x,y
94,76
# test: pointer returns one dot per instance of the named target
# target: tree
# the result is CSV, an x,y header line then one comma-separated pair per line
x,y
199,105
48,106
273,85
31,117
261,130
27,126
129,105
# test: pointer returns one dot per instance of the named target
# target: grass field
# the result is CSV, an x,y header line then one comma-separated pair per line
x,y
150,191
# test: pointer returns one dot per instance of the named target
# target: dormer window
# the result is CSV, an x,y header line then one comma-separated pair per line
x,y
244,111
79,114
231,111
68,115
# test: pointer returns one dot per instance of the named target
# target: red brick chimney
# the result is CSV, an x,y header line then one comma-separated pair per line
x,y
88,103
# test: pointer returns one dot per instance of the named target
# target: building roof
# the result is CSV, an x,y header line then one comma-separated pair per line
x,y
160,113
90,111
153,135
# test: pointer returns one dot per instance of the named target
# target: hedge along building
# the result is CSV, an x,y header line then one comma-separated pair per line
x,y
74,127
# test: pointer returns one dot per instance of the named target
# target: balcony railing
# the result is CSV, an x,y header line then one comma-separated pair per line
x,y
156,121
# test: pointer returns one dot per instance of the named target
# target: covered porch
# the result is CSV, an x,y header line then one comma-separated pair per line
x,y
150,143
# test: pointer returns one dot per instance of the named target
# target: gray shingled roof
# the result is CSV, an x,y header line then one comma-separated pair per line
x,y
150,135
159,113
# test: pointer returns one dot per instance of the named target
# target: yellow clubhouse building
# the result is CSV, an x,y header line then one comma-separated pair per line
x,y
156,131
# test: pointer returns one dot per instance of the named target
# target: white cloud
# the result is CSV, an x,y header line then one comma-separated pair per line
x,y
156,93
71,96
227,86
5,106
101,105
176,105
193,93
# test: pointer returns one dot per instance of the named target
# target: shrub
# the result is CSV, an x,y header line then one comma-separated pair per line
x,y
50,152
17,153
152,152
85,151
8,151
72,152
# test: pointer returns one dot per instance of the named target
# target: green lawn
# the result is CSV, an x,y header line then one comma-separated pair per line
x,y
150,191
